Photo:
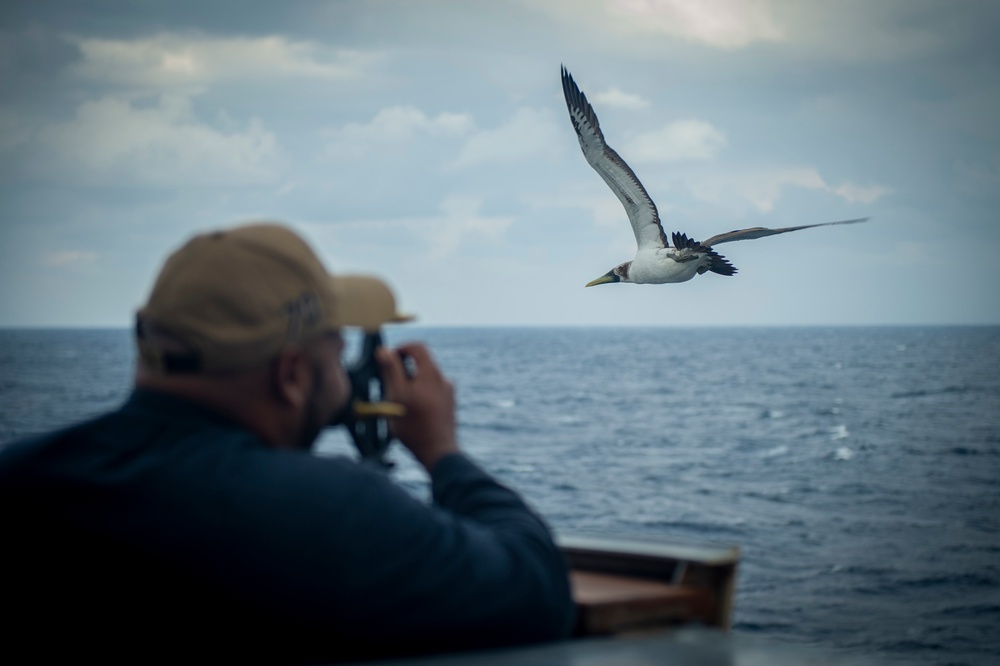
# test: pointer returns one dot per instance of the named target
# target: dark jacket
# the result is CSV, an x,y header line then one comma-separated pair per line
x,y
165,524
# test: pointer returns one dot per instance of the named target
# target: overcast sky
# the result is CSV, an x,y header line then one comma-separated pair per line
x,y
428,142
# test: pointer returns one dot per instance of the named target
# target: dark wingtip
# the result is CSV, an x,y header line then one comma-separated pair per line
x,y
574,96
682,242
716,262
570,88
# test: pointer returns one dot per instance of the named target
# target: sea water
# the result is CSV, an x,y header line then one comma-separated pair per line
x,y
858,469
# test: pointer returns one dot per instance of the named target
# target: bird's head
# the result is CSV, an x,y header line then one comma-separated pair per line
x,y
617,274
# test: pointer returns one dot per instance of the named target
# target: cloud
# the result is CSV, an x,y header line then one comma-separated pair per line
x,y
393,127
872,33
860,32
680,140
978,177
167,60
627,24
459,222
13,131
622,100
118,140
530,133
68,258
762,188
857,193
725,24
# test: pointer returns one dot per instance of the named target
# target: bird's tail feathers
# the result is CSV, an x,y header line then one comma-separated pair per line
x,y
719,264
716,262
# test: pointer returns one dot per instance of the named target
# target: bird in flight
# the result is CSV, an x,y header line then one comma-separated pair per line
x,y
656,260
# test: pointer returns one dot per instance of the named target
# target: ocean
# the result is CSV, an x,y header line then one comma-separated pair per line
x,y
857,468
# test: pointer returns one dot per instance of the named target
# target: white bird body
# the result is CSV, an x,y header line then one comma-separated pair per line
x,y
664,265
655,261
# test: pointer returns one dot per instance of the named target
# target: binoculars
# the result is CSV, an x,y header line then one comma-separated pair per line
x,y
365,414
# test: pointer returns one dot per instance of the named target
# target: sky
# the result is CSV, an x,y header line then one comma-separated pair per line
x,y
428,143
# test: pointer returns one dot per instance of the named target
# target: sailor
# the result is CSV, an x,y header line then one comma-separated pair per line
x,y
195,521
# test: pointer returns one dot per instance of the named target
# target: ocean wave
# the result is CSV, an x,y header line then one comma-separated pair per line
x,y
968,580
775,451
922,393
971,611
762,627
839,432
843,453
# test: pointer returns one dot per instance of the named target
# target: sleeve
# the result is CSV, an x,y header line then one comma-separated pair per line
x,y
353,553
463,488
477,568
529,591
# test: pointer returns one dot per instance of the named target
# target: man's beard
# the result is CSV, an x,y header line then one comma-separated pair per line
x,y
315,417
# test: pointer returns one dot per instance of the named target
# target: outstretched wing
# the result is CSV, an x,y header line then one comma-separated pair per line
x,y
612,168
761,232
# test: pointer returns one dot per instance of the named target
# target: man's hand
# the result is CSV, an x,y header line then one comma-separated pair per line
x,y
428,428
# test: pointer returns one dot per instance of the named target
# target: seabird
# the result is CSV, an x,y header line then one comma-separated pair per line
x,y
656,261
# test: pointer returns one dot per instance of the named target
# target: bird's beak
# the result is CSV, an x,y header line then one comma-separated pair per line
x,y
604,279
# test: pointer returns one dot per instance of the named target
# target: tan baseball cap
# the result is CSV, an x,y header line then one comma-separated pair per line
x,y
232,299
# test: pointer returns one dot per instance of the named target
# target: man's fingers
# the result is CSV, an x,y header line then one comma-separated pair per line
x,y
412,379
391,366
417,359
409,366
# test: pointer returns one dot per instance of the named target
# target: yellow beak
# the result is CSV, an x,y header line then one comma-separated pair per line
x,y
604,279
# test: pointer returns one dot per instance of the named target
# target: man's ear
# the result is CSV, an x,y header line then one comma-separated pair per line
x,y
291,377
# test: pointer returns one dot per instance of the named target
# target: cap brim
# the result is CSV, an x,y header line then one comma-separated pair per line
x,y
365,302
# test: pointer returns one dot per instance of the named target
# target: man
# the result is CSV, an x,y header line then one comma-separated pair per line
x,y
193,521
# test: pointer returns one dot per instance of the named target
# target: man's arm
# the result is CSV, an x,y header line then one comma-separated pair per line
x,y
515,533
517,562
